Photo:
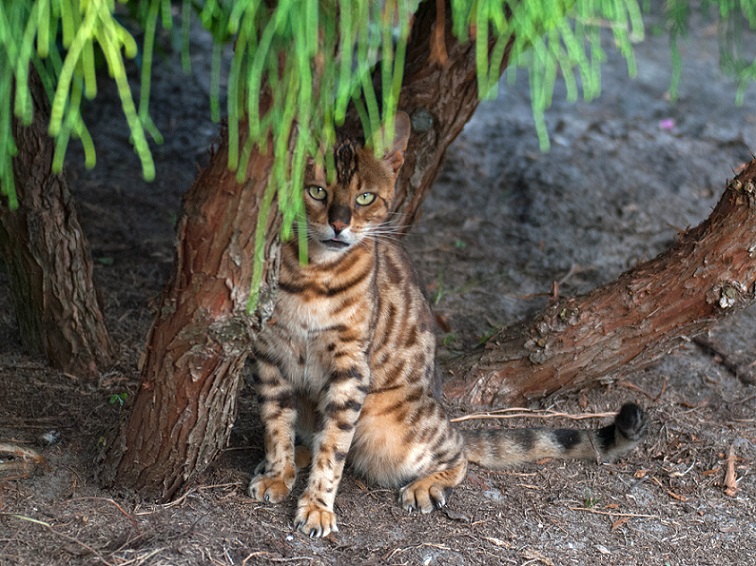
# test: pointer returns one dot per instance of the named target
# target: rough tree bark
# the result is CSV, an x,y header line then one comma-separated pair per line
x,y
627,324
185,406
201,336
47,257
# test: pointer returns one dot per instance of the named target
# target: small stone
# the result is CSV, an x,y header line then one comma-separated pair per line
x,y
48,438
602,549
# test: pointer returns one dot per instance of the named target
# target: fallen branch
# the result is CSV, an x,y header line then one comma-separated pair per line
x,y
630,323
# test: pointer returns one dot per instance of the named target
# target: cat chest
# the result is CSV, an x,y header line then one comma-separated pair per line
x,y
308,333
300,315
306,359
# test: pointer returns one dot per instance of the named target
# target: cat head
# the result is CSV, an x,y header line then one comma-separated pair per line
x,y
351,209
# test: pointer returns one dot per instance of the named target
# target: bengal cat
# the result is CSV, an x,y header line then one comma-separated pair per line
x,y
347,361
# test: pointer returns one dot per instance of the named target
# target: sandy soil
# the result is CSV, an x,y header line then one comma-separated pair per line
x,y
625,173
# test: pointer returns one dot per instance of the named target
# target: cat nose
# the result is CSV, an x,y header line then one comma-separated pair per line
x,y
339,217
338,226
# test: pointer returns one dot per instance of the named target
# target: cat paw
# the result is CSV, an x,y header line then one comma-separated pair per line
x,y
423,495
315,520
270,488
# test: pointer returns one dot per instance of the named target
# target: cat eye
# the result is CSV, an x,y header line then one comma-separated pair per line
x,y
365,199
318,193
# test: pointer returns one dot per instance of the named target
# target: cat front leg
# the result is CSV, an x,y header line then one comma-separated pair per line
x,y
275,476
338,412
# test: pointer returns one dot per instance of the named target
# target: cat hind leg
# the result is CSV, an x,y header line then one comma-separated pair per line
x,y
430,492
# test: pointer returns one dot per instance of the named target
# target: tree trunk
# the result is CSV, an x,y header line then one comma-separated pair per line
x,y
625,325
185,405
440,94
200,339
47,257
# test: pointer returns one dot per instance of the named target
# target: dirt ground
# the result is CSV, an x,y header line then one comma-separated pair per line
x,y
625,173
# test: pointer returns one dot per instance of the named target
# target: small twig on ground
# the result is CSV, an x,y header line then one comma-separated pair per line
x,y
519,413
391,554
69,538
632,386
532,556
25,518
270,557
669,492
109,500
681,474
80,543
189,492
144,559
614,513
731,479
746,400
620,522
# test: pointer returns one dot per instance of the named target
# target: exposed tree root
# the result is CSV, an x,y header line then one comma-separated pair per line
x,y
625,325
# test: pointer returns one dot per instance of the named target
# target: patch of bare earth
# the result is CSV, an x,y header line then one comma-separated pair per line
x,y
624,174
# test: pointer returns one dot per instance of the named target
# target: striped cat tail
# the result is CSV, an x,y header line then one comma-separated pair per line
x,y
504,447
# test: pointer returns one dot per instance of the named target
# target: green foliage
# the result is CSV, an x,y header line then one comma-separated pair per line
x,y
589,499
59,39
734,18
297,65
118,399
570,41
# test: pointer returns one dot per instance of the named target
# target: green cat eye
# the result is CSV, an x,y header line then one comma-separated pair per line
x,y
318,193
365,198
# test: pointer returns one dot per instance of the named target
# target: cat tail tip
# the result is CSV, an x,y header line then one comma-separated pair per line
x,y
632,422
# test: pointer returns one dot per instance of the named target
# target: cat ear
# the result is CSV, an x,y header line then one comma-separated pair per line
x,y
394,153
